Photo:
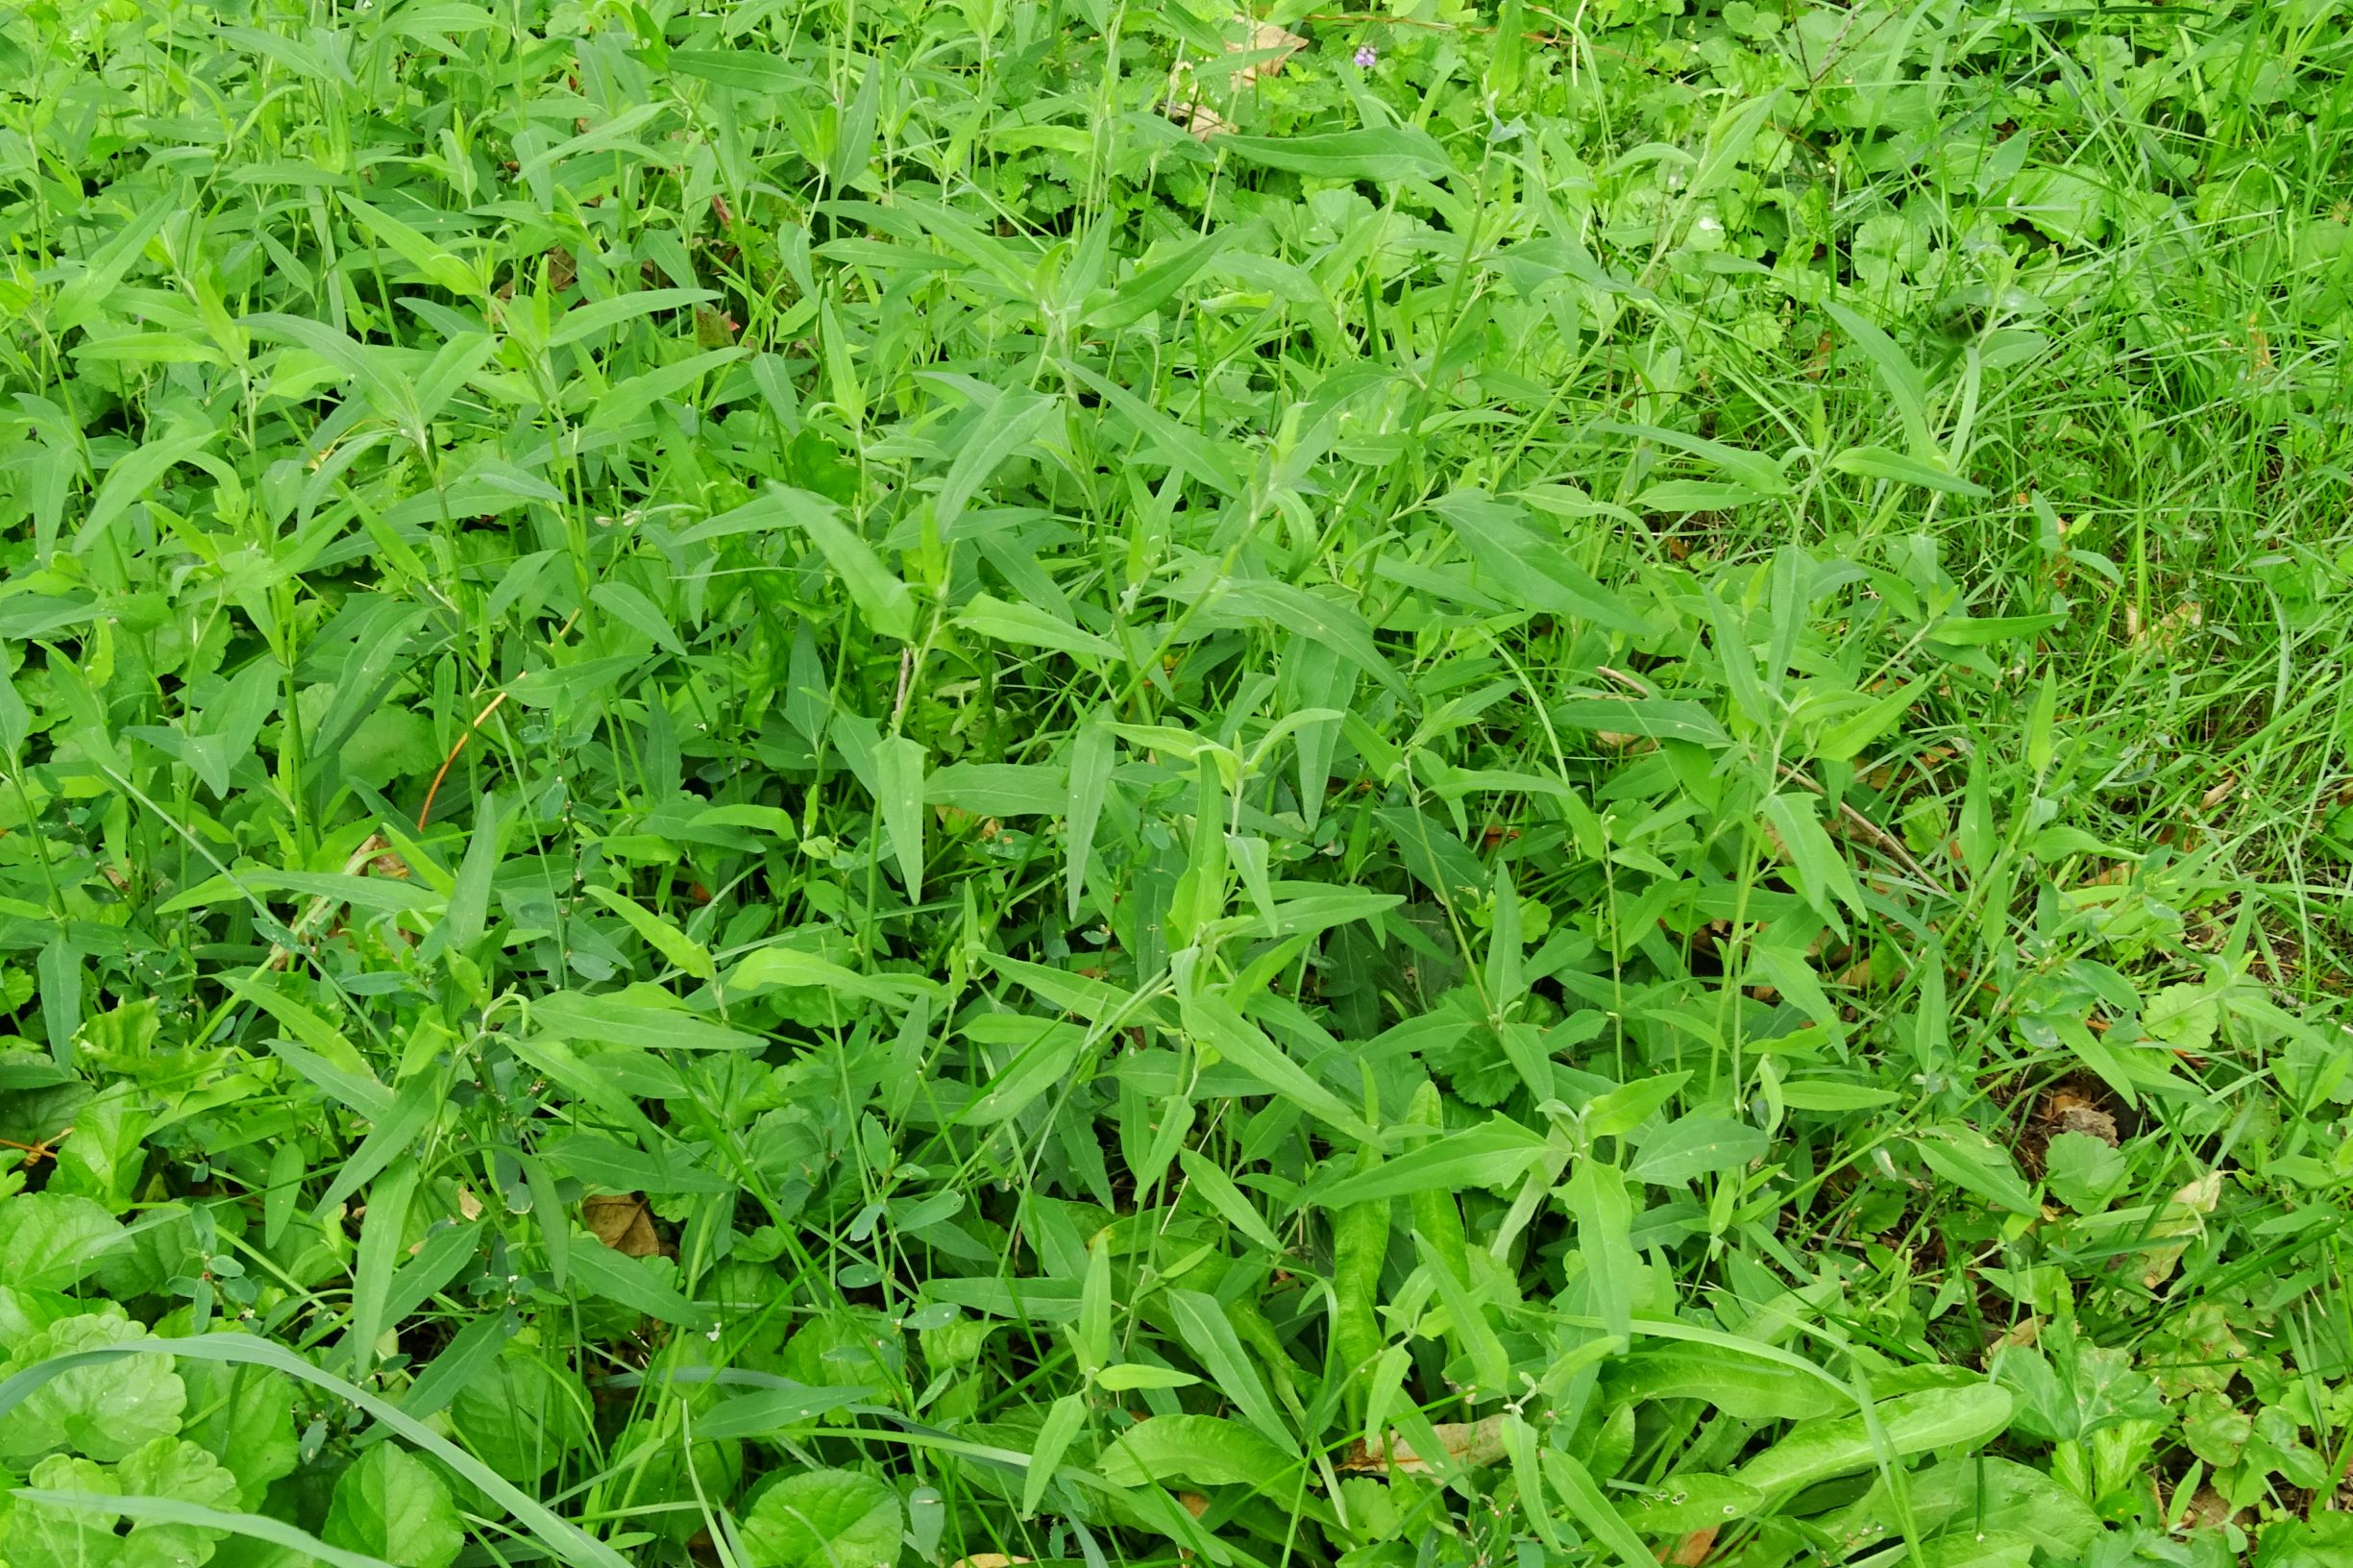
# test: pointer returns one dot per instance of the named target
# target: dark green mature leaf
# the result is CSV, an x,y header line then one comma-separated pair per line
x,y
1202,1450
1604,1210
1978,1165
823,1519
1492,1154
880,597
938,658
1977,1495
1202,1324
607,1020
768,1412
1520,564
392,1506
1697,1145
1030,625
1380,154
519,1416
244,1417
639,1283
745,71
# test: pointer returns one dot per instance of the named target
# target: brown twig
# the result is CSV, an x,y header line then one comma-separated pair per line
x,y
1869,831
35,1153
426,811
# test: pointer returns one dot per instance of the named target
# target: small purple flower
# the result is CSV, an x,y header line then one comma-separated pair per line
x,y
1367,57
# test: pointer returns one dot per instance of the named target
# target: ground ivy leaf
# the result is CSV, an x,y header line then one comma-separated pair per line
x,y
104,1410
51,1536
245,1415
2182,1017
2084,1171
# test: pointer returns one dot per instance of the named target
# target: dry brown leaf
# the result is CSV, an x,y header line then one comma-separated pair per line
x,y
1693,1548
384,859
2258,347
2208,1509
1195,1503
2024,1333
1185,102
1203,121
2218,795
469,1206
2162,635
988,1559
2185,1218
1466,1442
1633,683
2090,1120
623,1222
1263,37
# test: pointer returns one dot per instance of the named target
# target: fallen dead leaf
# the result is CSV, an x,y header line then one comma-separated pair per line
x,y
1693,1548
2072,1111
2257,348
988,1559
1466,1442
1184,101
469,1206
2208,1509
2090,1121
1261,37
2185,1218
2016,1337
1884,774
2168,631
622,1222
1633,683
1203,121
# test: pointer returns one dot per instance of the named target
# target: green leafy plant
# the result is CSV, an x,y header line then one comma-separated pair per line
x,y
855,785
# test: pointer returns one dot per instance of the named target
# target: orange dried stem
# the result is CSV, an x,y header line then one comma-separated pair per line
x,y
424,813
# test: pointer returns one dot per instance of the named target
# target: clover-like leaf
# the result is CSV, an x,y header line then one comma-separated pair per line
x,y
2215,1429
2182,1017
2084,1171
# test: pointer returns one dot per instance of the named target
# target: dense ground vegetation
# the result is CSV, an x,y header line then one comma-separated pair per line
x,y
809,785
